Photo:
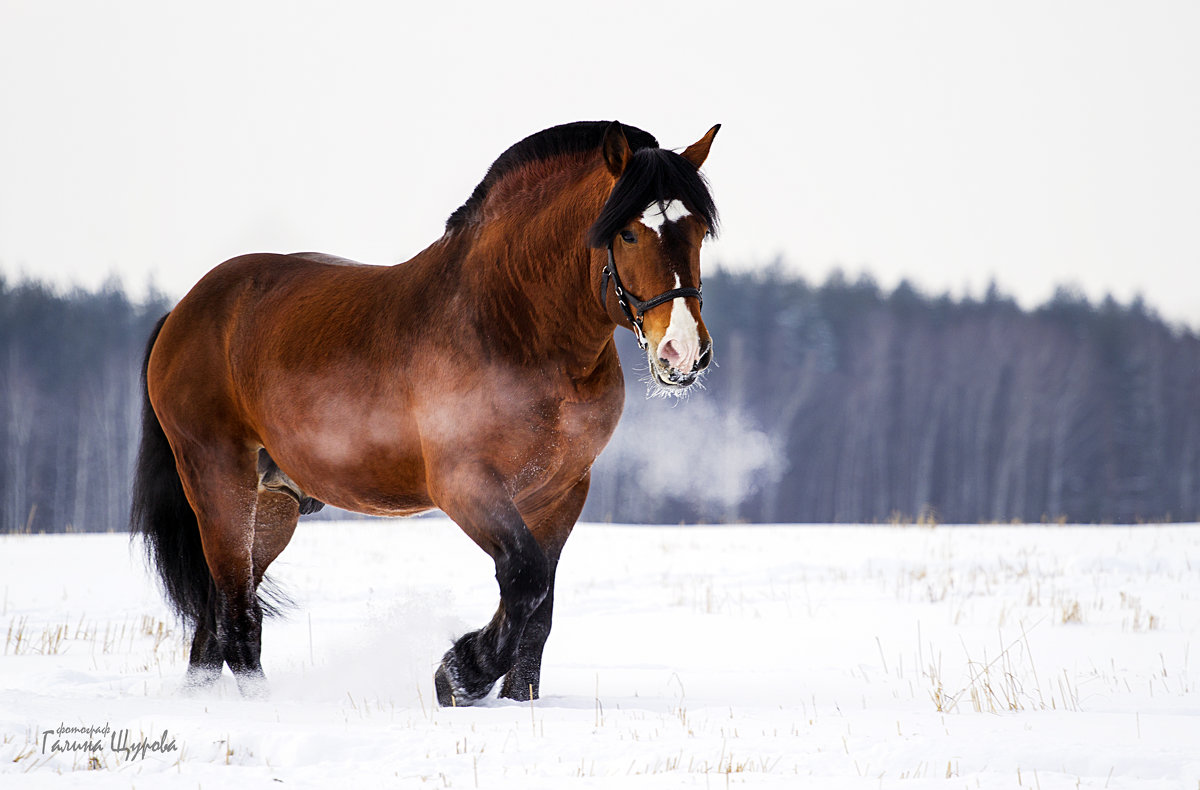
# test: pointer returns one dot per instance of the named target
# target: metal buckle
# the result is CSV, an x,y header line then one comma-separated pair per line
x,y
642,342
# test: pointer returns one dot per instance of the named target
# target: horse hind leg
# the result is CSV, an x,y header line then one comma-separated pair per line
x,y
275,521
205,659
222,489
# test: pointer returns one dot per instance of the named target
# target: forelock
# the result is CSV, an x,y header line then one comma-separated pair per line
x,y
653,175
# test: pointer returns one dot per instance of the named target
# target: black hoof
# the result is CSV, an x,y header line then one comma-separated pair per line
x,y
518,694
445,692
452,691
519,690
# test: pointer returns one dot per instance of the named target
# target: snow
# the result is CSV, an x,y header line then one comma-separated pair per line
x,y
781,656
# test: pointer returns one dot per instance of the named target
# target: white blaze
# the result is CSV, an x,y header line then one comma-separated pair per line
x,y
659,214
684,333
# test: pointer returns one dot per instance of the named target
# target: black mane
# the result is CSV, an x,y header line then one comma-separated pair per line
x,y
652,174
569,138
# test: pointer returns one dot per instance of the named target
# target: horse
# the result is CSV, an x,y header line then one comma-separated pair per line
x,y
480,377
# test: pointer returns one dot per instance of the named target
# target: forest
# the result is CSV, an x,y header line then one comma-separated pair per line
x,y
840,402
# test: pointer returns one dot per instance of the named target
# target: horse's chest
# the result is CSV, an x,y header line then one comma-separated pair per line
x,y
560,439
539,433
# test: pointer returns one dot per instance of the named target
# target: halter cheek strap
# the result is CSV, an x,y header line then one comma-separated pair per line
x,y
629,302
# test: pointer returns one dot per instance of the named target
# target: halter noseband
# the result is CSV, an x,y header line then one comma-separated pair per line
x,y
629,302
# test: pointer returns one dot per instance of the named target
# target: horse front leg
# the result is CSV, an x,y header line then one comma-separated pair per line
x,y
483,509
523,680
551,528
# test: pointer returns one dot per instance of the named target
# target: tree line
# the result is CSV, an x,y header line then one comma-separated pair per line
x,y
838,402
70,410
857,405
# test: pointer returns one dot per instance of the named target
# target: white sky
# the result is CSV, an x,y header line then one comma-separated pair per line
x,y
949,142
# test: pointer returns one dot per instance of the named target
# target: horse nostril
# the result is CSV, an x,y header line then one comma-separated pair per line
x,y
669,353
705,357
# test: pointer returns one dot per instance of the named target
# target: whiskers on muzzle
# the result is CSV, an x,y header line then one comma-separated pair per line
x,y
663,380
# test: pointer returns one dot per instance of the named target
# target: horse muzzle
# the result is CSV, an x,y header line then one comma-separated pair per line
x,y
671,368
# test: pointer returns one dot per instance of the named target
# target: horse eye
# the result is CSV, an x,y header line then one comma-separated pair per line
x,y
629,237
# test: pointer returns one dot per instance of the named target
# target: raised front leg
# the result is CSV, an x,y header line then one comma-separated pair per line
x,y
480,505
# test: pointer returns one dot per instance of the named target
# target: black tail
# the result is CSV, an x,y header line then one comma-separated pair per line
x,y
162,516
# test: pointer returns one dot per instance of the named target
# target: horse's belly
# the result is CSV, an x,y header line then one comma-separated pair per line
x,y
363,462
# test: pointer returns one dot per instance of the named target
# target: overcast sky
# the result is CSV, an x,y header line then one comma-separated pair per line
x,y
1037,143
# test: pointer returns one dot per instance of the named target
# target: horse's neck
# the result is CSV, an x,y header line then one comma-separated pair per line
x,y
541,291
532,295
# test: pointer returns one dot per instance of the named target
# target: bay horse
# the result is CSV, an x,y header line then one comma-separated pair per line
x,y
480,377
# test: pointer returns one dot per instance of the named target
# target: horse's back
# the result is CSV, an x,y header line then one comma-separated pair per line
x,y
267,274
275,289
234,319
324,257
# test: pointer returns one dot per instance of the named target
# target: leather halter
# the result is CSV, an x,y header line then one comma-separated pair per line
x,y
629,302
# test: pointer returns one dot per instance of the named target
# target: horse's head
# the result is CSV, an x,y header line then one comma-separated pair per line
x,y
651,228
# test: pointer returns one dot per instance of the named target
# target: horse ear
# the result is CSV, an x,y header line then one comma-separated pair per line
x,y
616,149
697,152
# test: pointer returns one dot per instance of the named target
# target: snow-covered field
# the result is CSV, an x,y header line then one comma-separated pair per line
x,y
791,656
